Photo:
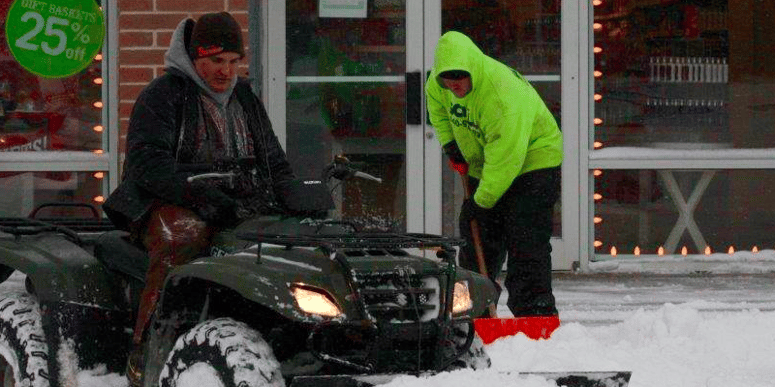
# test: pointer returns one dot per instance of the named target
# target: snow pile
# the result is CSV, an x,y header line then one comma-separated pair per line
x,y
675,345
708,331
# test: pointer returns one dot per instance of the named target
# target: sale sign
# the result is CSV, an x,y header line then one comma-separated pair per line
x,y
55,38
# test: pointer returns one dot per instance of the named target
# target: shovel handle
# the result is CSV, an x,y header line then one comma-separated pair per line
x,y
477,239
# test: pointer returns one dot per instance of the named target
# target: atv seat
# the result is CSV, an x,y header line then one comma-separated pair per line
x,y
117,252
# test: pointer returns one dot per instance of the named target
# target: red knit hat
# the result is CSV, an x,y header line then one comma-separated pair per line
x,y
215,33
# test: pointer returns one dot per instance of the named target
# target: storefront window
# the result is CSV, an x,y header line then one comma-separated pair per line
x,y
678,72
676,81
655,212
52,115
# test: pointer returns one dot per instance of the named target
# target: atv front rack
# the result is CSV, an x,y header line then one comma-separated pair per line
x,y
358,240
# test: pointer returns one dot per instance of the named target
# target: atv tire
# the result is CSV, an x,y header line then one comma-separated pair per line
x,y
476,357
221,352
23,347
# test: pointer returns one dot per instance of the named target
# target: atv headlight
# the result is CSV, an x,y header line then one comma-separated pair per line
x,y
315,302
461,300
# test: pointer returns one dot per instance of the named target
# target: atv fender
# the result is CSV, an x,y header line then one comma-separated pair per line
x,y
77,299
267,280
60,270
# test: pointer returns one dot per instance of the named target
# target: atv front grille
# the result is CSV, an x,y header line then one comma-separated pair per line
x,y
399,296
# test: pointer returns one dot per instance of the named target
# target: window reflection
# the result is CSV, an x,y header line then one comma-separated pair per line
x,y
23,192
522,34
346,95
48,114
38,113
44,114
688,75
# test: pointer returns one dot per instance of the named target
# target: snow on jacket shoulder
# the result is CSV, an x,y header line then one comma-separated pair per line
x,y
502,127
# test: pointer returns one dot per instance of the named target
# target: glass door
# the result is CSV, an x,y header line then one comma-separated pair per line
x,y
351,87
346,77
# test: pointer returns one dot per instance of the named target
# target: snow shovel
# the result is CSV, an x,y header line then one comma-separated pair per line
x,y
492,328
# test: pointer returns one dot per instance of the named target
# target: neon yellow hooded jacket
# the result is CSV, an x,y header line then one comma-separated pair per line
x,y
502,127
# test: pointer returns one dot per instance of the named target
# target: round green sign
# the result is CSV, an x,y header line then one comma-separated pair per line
x,y
54,38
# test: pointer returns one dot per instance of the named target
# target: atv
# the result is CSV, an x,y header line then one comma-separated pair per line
x,y
281,300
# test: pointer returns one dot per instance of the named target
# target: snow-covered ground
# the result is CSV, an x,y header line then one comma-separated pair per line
x,y
683,331
687,330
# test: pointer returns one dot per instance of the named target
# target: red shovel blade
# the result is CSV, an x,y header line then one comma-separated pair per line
x,y
534,327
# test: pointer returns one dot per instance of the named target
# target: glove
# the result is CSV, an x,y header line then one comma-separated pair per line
x,y
461,168
456,159
453,152
338,171
214,207
472,211
242,184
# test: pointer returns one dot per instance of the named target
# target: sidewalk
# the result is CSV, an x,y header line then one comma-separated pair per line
x,y
596,299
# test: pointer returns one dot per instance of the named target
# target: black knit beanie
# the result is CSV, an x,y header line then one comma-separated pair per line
x,y
215,33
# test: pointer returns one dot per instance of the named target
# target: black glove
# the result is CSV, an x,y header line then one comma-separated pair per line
x,y
244,164
453,152
214,206
243,182
338,171
472,211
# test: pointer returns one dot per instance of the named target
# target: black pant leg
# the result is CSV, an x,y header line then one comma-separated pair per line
x,y
491,236
527,210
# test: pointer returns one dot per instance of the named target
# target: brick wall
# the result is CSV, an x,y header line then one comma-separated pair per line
x,y
145,28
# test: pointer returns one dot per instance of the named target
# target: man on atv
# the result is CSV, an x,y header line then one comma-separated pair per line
x,y
198,113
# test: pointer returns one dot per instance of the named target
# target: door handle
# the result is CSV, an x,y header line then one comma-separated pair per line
x,y
414,98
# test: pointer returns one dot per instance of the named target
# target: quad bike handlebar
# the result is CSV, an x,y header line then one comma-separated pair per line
x,y
222,170
341,168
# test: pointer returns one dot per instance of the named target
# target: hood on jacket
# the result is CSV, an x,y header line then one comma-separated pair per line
x,y
456,51
177,58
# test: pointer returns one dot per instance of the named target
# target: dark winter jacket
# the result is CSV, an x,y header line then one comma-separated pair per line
x,y
163,115
161,138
